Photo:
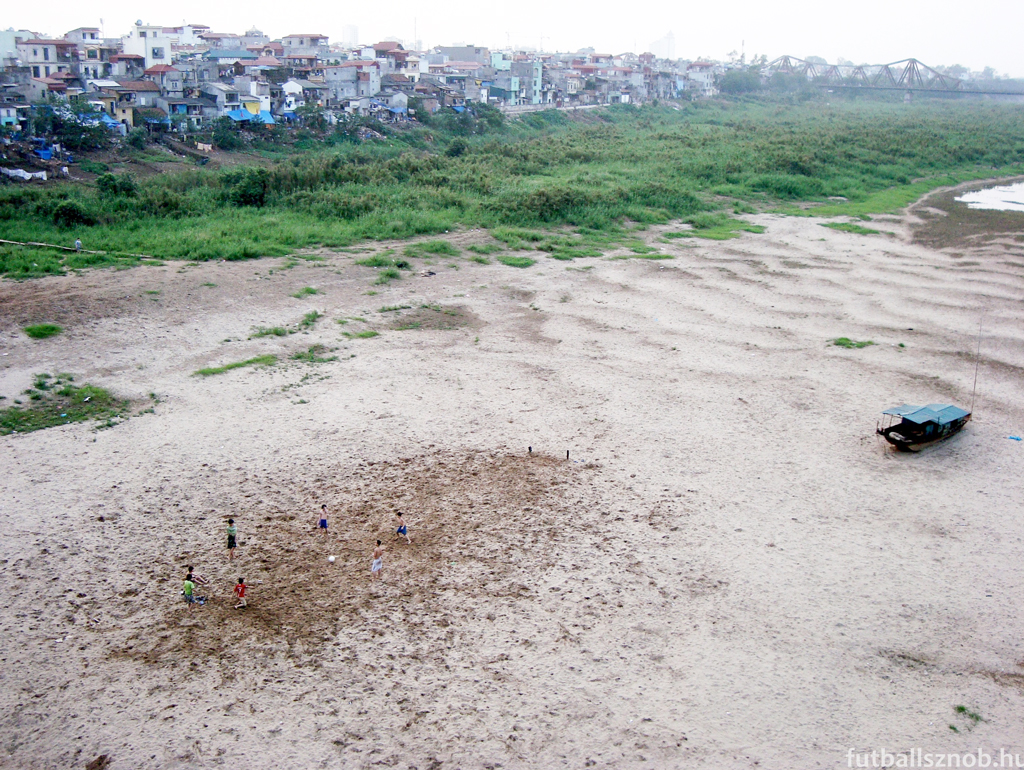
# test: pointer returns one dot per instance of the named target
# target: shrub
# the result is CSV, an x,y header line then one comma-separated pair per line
x,y
456,148
250,187
137,138
112,185
42,331
72,214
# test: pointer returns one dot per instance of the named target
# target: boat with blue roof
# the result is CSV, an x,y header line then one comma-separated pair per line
x,y
921,426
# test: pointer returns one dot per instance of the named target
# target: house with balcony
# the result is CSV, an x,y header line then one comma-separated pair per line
x,y
138,93
46,57
95,58
225,97
168,78
150,43
298,93
317,46
351,80
13,109
531,80
127,66
700,79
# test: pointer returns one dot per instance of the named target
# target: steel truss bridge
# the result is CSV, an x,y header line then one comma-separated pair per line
x,y
905,75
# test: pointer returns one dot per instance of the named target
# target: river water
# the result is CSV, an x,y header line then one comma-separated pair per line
x,y
1004,198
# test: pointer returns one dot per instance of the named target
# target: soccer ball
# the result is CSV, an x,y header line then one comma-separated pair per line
x,y
330,559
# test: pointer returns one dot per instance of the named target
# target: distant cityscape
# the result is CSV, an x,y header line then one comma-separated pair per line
x,y
183,78
187,76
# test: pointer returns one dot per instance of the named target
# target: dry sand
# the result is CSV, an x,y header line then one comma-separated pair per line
x,y
730,571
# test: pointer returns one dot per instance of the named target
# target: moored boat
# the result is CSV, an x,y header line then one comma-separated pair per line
x,y
920,426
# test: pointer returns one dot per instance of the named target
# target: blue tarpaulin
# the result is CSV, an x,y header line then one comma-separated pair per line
x,y
243,116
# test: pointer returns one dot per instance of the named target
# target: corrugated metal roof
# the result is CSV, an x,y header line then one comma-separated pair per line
x,y
937,413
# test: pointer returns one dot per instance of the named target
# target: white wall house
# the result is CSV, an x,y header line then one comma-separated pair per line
x,y
149,42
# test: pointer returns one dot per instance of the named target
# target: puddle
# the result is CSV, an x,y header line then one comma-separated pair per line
x,y
1004,198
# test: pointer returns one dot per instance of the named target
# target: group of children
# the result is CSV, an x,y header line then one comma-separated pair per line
x,y
377,562
193,581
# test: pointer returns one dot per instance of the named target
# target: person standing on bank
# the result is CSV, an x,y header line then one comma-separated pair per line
x,y
232,539
377,566
323,518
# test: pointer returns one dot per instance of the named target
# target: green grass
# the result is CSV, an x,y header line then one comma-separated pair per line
x,y
715,226
309,320
57,401
485,248
42,331
305,292
516,261
965,712
384,259
265,360
210,285
363,335
313,355
846,342
541,179
393,308
649,255
480,260
436,248
849,227
93,167
387,275
271,331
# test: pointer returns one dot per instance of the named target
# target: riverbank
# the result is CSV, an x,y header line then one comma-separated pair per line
x,y
729,570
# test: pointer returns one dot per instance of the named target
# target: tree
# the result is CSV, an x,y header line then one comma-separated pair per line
x,y
312,116
249,186
740,81
137,138
225,135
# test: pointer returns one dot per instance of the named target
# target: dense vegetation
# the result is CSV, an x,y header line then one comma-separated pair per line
x,y
622,164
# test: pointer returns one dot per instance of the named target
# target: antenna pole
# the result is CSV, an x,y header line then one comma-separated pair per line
x,y
977,362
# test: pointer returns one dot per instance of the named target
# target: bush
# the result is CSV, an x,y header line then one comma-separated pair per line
x,y
225,135
250,187
456,148
72,214
113,185
42,331
137,138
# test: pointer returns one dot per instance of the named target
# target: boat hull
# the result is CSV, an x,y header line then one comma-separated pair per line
x,y
908,442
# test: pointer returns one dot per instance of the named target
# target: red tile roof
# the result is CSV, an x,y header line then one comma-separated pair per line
x,y
159,69
138,85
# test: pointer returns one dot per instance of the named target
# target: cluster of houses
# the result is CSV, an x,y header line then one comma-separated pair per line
x,y
182,78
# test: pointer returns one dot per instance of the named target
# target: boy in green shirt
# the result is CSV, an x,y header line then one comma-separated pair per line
x,y
232,534
189,588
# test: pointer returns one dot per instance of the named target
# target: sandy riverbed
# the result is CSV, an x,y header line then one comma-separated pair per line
x,y
729,571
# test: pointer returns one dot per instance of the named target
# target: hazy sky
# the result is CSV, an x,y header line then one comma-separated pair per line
x,y
976,34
